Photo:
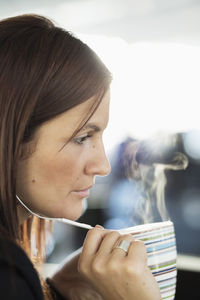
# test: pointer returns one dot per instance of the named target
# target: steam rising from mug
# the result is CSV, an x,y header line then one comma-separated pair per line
x,y
145,162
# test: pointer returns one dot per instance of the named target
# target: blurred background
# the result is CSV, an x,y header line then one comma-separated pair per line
x,y
152,47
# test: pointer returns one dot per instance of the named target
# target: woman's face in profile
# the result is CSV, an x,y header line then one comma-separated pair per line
x,y
56,178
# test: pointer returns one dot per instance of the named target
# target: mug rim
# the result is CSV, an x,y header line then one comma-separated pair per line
x,y
146,227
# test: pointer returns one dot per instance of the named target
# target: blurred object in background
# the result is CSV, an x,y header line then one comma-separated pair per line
x,y
191,142
124,193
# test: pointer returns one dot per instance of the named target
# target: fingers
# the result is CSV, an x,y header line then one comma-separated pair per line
x,y
101,242
137,254
91,245
100,255
93,240
108,242
105,242
120,251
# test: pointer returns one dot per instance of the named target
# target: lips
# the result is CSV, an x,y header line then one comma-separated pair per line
x,y
84,193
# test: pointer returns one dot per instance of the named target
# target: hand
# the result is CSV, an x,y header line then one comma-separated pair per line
x,y
70,283
115,274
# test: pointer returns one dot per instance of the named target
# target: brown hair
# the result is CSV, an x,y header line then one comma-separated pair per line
x,y
44,71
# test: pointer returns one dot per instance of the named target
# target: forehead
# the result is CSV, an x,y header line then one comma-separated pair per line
x,y
67,122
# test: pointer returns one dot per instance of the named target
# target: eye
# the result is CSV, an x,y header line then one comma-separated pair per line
x,y
80,140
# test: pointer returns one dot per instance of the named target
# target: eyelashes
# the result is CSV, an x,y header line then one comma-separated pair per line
x,y
80,140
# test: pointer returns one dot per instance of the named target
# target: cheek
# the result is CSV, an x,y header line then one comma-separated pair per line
x,y
58,171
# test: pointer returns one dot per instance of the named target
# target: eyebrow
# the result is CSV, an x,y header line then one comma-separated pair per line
x,y
91,126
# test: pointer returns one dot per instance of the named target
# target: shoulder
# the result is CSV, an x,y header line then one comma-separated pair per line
x,y
18,278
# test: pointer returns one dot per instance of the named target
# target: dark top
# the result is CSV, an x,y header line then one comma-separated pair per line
x,y
18,278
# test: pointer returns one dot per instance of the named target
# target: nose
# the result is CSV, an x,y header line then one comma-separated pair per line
x,y
98,163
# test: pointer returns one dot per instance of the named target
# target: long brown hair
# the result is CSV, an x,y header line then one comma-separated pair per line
x,y
44,71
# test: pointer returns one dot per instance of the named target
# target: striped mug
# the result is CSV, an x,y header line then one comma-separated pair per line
x,y
160,242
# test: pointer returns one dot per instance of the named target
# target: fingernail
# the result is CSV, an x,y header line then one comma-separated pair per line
x,y
99,226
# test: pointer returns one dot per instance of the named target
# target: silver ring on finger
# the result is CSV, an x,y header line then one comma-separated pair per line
x,y
124,245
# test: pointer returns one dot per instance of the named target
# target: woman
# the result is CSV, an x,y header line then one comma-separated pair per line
x,y
54,107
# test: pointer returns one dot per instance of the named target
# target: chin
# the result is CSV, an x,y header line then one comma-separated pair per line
x,y
75,215
72,212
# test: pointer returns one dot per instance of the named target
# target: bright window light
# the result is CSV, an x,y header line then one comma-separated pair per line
x,y
155,87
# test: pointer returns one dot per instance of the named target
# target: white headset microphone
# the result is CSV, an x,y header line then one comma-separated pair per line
x,y
70,222
67,221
